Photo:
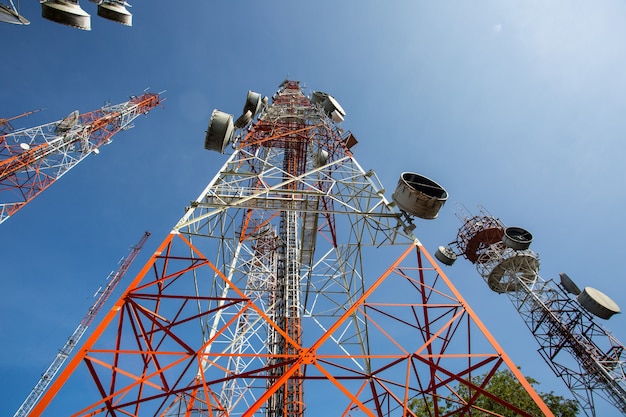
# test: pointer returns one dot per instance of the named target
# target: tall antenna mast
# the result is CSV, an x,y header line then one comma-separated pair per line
x,y
103,295
562,318
33,159
291,285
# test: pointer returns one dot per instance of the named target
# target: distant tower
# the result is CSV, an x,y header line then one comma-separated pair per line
x,y
103,294
290,287
32,159
561,317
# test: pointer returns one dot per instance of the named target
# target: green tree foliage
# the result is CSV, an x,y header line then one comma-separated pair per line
x,y
504,385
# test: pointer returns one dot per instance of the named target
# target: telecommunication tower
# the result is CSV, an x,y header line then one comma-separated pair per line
x,y
33,159
290,286
561,317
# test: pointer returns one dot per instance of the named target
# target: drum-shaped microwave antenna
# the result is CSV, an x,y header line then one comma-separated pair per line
x,y
11,15
517,238
220,131
243,120
253,103
66,12
569,284
330,105
445,255
116,11
597,303
419,196
67,123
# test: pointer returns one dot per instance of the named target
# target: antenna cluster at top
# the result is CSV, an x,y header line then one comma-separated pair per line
x,y
502,256
69,13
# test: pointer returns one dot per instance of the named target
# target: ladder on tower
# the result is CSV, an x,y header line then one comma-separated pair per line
x,y
103,294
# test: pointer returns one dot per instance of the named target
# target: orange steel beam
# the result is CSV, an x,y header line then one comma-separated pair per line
x,y
511,365
91,340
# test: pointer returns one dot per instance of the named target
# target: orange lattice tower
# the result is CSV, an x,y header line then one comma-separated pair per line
x,y
290,287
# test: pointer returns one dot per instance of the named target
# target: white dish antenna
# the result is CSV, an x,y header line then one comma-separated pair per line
x,y
116,11
220,131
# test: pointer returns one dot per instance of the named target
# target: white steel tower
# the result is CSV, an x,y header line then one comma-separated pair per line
x,y
33,159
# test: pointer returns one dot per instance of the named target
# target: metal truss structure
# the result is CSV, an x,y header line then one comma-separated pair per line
x,y
33,159
290,286
571,341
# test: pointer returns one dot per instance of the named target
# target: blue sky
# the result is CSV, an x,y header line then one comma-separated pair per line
x,y
514,105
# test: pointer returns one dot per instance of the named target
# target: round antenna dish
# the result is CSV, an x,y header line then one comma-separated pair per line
x,y
445,255
568,284
220,131
331,105
115,11
419,196
66,12
25,146
243,120
337,116
8,15
67,123
597,303
253,103
517,238
318,97
513,267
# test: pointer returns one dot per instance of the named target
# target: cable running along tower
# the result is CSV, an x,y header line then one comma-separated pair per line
x,y
33,159
290,287
561,317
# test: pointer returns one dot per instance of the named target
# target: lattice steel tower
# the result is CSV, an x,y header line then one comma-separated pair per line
x,y
33,159
561,317
290,286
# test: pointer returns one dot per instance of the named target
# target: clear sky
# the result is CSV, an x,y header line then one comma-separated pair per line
x,y
516,105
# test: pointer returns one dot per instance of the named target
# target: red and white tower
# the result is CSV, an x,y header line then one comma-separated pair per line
x,y
562,318
33,159
291,286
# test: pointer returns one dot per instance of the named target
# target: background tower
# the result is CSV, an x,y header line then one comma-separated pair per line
x,y
576,347
103,295
290,286
33,159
